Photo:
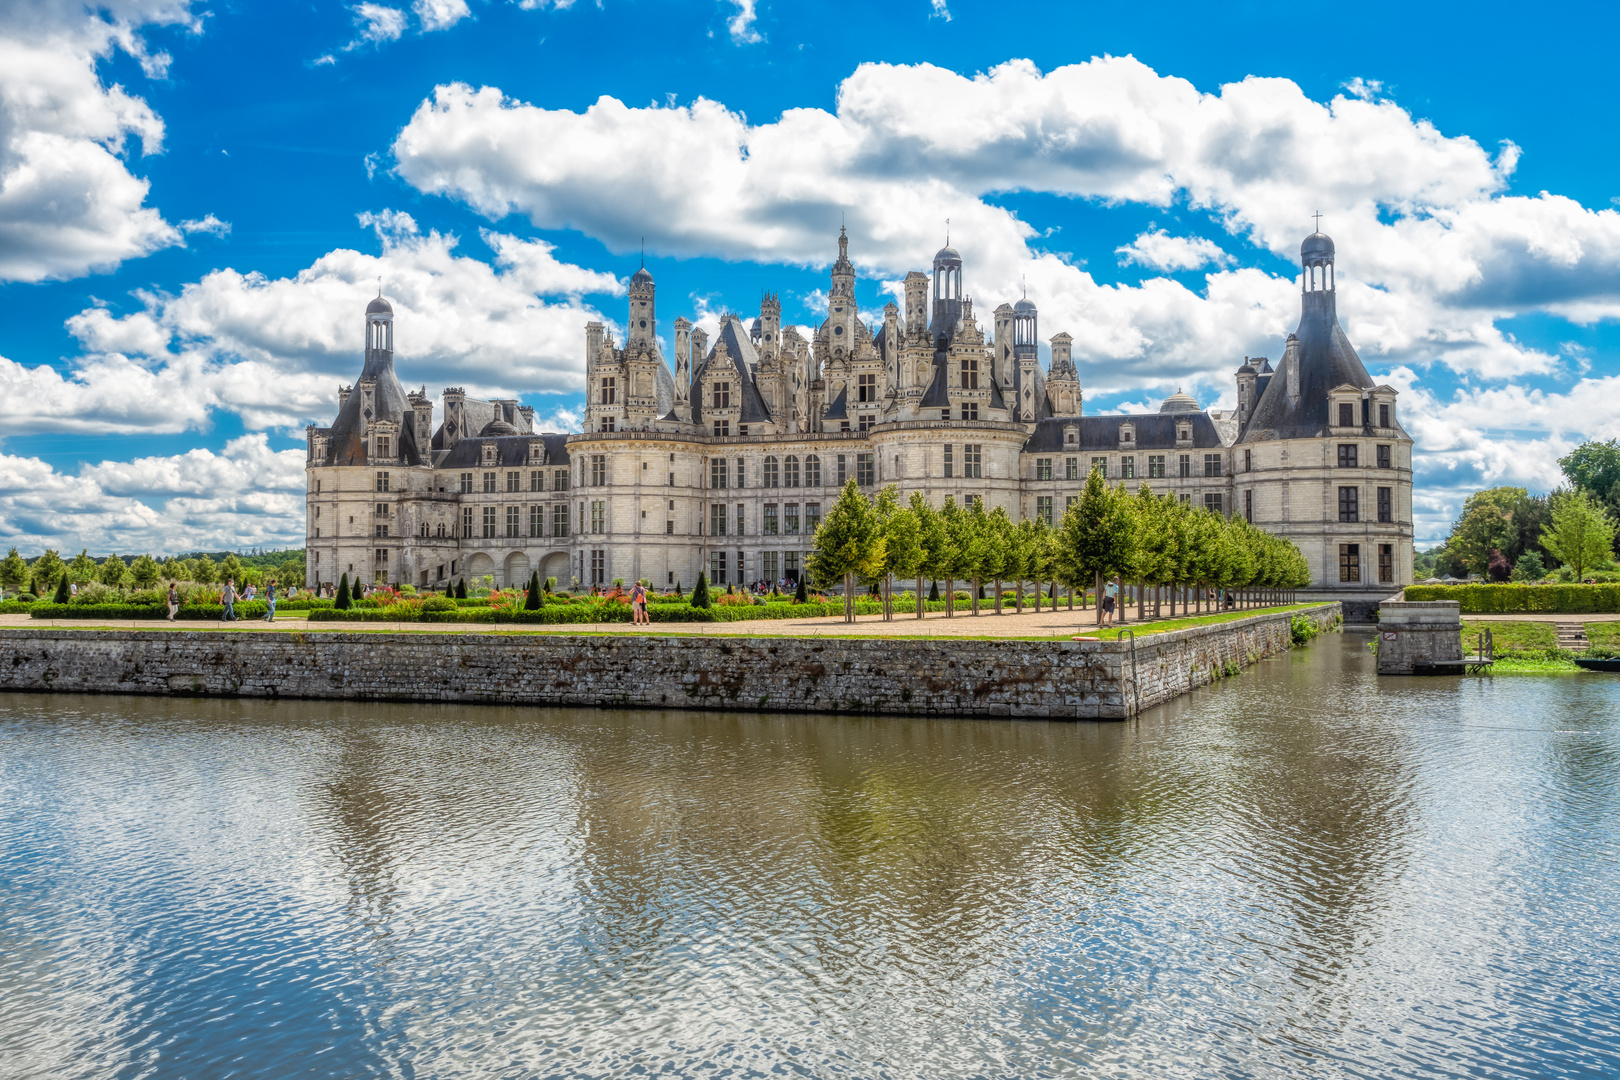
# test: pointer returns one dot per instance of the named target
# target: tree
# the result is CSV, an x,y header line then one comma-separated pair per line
x,y
1581,535
931,535
903,550
461,589
230,567
46,569
998,544
111,571
700,591
848,544
1529,567
82,568
13,570
343,602
63,594
801,595
144,571
956,554
1594,467
532,602
973,544
1483,528
203,571
1095,535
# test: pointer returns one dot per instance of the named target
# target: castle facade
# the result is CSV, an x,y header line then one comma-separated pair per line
x,y
727,464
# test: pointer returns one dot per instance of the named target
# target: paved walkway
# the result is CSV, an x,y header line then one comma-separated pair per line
x,y
1061,623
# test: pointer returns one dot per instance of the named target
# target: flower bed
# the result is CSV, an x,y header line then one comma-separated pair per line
x,y
1481,598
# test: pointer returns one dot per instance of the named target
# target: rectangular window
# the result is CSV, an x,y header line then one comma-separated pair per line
x,y
790,565
739,472
489,483
790,519
1349,499
581,517
1212,464
514,517
812,518
610,392
721,395
1248,506
598,567
1100,464
514,481
770,564
1347,418
1043,468
598,470
770,519
382,446
1069,500
717,519
382,530
598,516
382,509
717,473
1212,501
1386,562
607,423
537,480
1383,415
865,421
489,521
1071,468
865,470
669,527
812,471
950,462
559,519
466,522
1127,467
1155,466
559,480
382,481
970,410
1248,461
970,373
717,567
1385,509
722,429
1383,456
1043,508
740,520
1347,455
466,483
866,388
973,461
1349,562
1184,466
843,474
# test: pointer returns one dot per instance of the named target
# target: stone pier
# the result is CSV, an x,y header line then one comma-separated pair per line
x,y
1417,631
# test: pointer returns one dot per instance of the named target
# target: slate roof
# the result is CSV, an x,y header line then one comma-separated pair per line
x,y
1325,359
511,450
344,445
1154,431
740,347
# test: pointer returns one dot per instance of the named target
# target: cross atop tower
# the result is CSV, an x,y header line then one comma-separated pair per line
x,y
1318,217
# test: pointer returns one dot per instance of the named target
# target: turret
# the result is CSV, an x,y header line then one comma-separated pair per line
x,y
770,328
1247,377
642,329
421,420
916,302
1063,383
947,293
1026,354
1002,368
454,419
683,370
379,330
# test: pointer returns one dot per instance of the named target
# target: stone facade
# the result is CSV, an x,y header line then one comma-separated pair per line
x,y
727,465
1411,631
1056,679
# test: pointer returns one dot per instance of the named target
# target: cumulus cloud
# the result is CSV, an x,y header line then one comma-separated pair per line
x,y
273,350
376,24
243,495
439,14
741,25
210,224
69,204
1158,250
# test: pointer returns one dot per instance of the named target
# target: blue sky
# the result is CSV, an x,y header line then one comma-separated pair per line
x,y
196,200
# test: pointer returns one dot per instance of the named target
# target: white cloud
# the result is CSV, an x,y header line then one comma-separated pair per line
x,y
741,25
245,494
439,14
376,24
1158,250
210,224
274,350
69,204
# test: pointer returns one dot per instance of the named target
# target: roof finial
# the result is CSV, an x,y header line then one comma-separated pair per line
x,y
947,232
1023,285
379,286
644,253
1318,217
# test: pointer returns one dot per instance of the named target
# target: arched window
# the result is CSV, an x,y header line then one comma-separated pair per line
x,y
770,472
790,471
812,470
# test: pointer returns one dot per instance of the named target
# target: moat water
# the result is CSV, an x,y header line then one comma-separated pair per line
x,y
1303,872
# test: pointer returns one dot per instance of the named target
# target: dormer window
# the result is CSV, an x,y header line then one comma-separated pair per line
x,y
537,453
722,395
1347,414
1383,415
1127,434
489,453
382,446
1184,433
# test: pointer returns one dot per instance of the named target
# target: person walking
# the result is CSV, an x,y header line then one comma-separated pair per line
x,y
270,598
1110,598
174,601
638,605
228,598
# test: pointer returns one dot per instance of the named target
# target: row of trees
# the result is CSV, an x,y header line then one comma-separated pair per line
x,y
1506,533
42,576
1155,541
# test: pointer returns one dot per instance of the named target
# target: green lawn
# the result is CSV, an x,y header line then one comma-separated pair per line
x,y
1088,628
1510,637
1604,634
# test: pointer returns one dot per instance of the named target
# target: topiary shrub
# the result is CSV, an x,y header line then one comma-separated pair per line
x,y
344,600
933,592
700,593
801,595
63,593
461,589
532,601
439,603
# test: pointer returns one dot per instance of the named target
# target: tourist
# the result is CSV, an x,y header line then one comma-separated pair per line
x,y
270,597
174,601
638,605
228,598
1110,594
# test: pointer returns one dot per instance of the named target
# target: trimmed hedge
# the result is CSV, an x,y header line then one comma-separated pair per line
x,y
15,607
1479,599
244,610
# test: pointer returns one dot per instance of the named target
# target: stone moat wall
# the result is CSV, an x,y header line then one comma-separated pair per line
x,y
1053,679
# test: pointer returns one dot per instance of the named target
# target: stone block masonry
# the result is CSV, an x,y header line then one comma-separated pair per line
x,y
1053,679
